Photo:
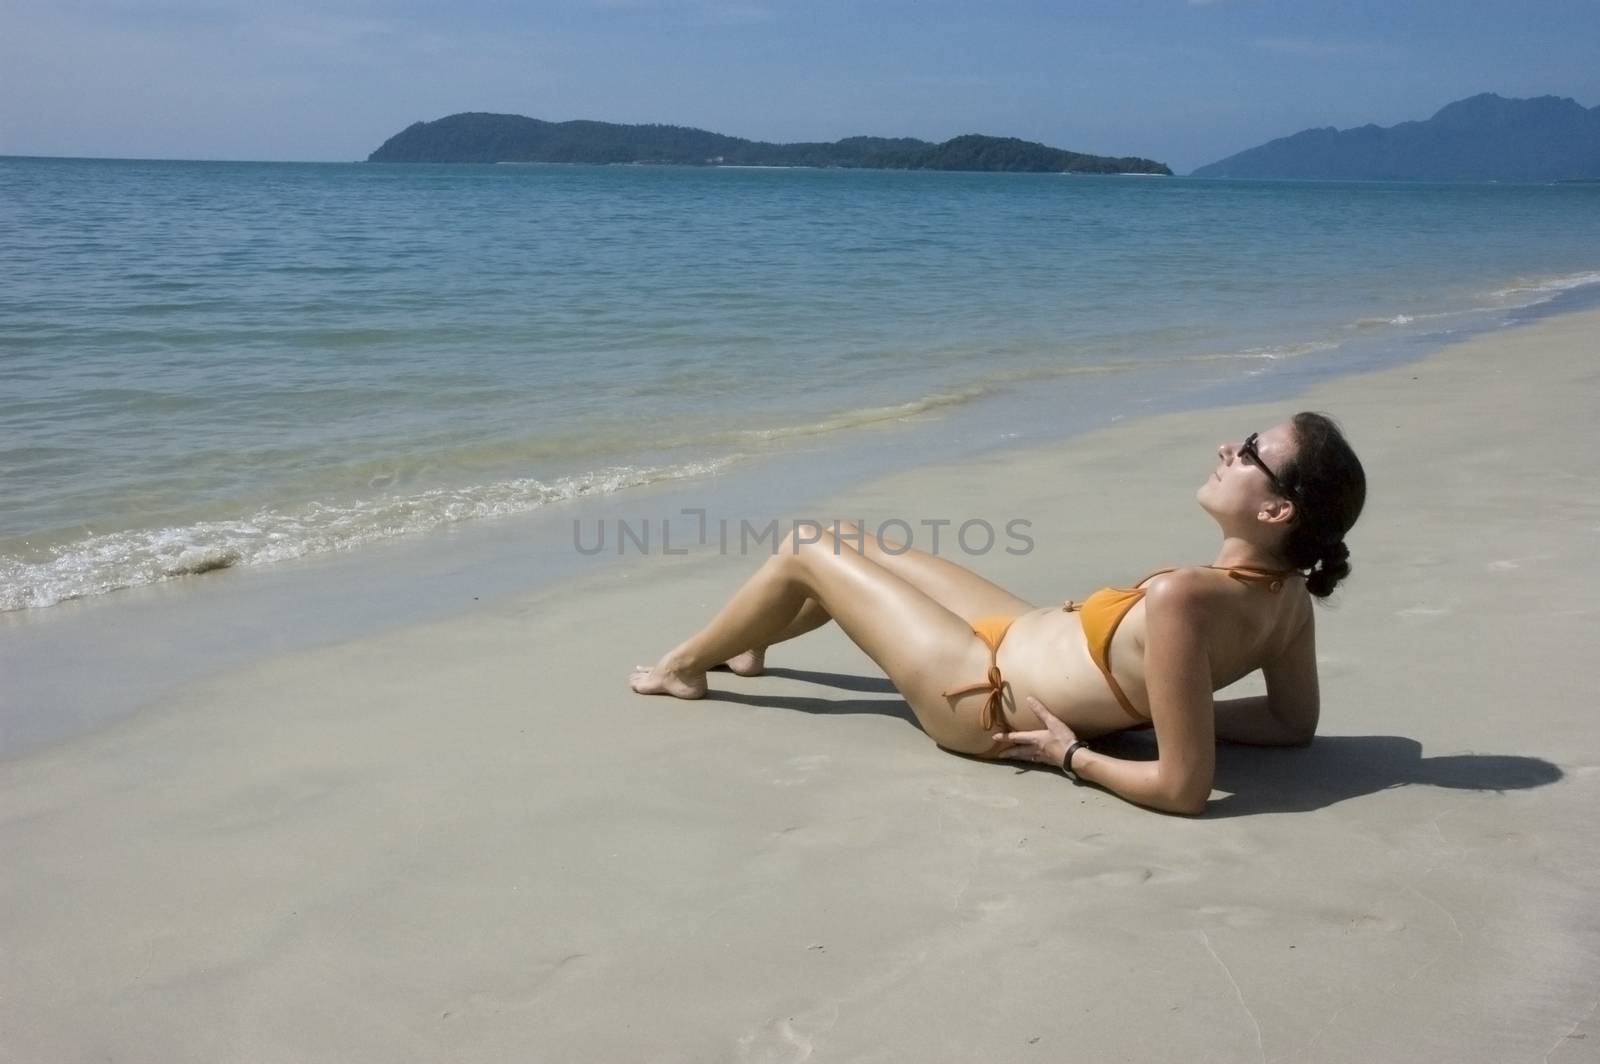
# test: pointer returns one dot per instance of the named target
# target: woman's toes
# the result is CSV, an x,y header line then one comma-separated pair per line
x,y
659,681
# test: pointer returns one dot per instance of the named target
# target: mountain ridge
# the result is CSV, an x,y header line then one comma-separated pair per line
x,y
1486,137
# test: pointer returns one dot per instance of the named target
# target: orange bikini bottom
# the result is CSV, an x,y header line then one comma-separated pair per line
x,y
992,630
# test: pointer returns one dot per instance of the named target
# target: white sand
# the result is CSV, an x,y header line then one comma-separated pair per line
x,y
468,842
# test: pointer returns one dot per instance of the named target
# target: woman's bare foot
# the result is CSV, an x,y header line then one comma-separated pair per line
x,y
750,663
667,678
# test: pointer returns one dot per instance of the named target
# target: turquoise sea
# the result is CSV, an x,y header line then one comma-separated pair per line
x,y
212,365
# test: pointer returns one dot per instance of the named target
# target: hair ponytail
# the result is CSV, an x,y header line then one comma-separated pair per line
x,y
1330,488
1332,567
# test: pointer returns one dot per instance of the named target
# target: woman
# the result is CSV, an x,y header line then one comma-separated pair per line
x,y
1153,654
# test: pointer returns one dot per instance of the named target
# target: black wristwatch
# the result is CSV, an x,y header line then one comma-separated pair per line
x,y
1066,761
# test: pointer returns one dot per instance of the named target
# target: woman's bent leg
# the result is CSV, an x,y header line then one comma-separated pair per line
x,y
953,586
753,662
753,617
924,648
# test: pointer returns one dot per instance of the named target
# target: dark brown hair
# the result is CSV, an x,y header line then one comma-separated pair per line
x,y
1329,487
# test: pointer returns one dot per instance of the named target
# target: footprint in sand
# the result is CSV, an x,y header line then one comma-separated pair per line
x,y
803,766
539,978
1235,915
1356,921
988,801
1137,876
1505,565
254,807
1422,611
1126,876
788,1039
988,906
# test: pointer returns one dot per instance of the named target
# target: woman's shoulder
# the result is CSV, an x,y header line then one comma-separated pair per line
x,y
1211,587
1203,599
1185,583
1190,590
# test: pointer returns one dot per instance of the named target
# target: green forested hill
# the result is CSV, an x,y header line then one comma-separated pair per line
x,y
489,138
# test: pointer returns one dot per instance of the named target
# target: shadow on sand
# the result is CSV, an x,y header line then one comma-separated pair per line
x,y
891,706
1258,779
1336,767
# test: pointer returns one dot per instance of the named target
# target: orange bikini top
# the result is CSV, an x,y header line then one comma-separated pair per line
x,y
1103,612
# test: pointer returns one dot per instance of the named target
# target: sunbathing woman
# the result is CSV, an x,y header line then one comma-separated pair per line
x,y
1050,679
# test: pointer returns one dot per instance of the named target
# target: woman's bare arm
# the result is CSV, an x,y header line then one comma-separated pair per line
x,y
1178,677
1179,609
1287,714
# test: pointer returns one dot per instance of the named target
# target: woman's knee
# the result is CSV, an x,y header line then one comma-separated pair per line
x,y
851,536
865,541
804,534
830,535
807,545
842,533
834,537
810,548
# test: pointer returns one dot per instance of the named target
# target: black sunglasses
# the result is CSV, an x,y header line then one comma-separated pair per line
x,y
1248,450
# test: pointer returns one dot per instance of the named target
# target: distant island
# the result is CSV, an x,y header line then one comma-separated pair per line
x,y
1482,138
475,137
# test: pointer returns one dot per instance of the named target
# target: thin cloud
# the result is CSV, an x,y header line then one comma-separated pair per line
x,y
1315,49
950,81
731,11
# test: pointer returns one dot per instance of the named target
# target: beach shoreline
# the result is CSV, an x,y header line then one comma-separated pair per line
x,y
318,396
151,640
464,839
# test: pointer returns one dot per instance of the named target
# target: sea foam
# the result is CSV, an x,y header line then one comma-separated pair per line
x,y
96,564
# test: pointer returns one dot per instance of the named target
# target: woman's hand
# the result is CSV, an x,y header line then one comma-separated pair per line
x,y
1047,747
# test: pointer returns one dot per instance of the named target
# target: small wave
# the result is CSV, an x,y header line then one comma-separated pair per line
x,y
1273,354
97,564
1269,354
861,417
1402,319
992,384
871,415
1546,289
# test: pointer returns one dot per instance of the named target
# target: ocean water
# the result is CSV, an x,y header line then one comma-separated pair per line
x,y
206,365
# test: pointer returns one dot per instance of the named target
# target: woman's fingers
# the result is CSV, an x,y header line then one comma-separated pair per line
x,y
1054,725
1016,745
1025,746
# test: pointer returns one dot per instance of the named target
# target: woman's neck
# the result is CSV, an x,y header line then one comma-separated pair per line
x,y
1242,554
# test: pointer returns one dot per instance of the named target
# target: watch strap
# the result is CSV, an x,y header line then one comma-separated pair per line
x,y
1066,760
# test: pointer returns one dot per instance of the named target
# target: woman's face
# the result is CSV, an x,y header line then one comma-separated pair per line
x,y
1243,484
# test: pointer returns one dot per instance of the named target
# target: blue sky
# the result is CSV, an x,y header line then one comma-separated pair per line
x,y
1182,81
